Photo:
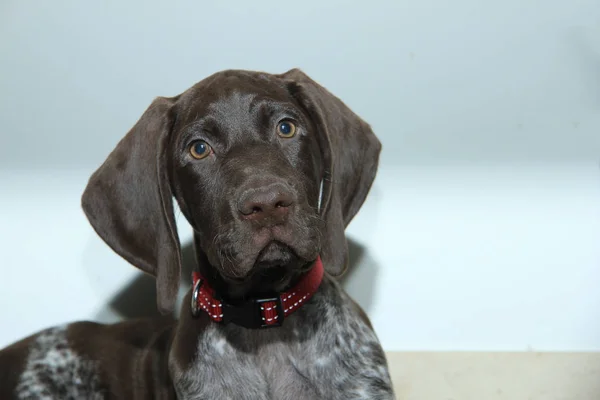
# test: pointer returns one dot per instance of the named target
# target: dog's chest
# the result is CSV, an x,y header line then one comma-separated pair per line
x,y
339,358
224,372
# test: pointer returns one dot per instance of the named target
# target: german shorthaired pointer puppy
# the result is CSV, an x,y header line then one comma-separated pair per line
x,y
268,170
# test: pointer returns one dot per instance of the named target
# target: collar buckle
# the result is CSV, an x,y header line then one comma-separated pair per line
x,y
255,313
277,319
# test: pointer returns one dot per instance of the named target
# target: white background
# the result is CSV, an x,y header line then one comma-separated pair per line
x,y
482,231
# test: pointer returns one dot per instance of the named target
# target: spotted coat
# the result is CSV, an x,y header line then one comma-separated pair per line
x,y
325,350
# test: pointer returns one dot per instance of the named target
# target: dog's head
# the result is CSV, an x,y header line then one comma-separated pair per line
x,y
267,169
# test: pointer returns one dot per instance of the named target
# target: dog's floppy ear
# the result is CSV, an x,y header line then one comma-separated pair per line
x,y
129,203
350,153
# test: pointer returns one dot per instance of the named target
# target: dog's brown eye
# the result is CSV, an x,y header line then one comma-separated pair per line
x,y
200,149
286,129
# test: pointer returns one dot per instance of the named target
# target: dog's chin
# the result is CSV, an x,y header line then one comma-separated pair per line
x,y
274,269
275,254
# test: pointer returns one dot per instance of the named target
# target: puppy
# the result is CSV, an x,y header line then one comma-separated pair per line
x,y
268,170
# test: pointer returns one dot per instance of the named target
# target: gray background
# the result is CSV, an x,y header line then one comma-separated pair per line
x,y
441,82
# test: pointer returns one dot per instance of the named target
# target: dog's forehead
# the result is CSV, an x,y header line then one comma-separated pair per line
x,y
233,91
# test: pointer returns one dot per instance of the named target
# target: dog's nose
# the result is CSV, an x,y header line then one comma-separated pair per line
x,y
268,205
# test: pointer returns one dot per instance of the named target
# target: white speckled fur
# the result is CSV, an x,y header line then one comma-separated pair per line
x,y
53,371
323,351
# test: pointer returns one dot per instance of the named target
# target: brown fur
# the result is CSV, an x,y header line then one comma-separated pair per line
x,y
253,204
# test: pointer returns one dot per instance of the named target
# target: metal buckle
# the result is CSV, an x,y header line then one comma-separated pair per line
x,y
278,307
195,294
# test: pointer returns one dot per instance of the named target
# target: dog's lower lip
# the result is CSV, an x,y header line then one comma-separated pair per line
x,y
274,254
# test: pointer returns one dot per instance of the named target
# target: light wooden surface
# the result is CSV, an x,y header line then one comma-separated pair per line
x,y
491,376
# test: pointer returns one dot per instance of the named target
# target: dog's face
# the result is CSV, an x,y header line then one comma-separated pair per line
x,y
268,170
246,171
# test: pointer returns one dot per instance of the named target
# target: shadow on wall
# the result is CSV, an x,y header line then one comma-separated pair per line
x,y
138,299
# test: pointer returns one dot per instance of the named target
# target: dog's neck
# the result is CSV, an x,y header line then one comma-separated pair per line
x,y
257,286
254,287
255,312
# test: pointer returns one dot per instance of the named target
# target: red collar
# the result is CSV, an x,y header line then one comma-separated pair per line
x,y
256,313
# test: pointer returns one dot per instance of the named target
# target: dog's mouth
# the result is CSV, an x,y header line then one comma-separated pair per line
x,y
275,263
273,255
252,262
275,268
